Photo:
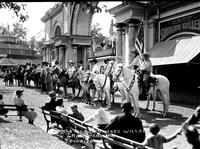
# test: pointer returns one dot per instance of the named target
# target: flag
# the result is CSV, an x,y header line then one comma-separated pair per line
x,y
139,43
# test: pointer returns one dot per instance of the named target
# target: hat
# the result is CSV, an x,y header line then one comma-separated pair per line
x,y
106,60
127,106
73,105
93,60
19,92
146,55
56,62
81,62
97,100
1,96
71,61
52,94
135,52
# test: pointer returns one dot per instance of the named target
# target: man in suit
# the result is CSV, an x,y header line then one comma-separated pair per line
x,y
126,125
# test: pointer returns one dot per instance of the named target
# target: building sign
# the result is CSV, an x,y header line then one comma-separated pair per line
x,y
190,23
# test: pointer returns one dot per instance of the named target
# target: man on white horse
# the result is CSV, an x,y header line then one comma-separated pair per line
x,y
146,69
135,63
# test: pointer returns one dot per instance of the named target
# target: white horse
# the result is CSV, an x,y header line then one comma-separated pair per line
x,y
129,80
117,86
161,89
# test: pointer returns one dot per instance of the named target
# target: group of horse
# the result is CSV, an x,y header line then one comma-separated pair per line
x,y
126,81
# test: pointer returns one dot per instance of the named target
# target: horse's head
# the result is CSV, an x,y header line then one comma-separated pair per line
x,y
110,67
117,72
83,76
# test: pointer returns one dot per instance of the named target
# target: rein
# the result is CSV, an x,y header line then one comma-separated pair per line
x,y
131,83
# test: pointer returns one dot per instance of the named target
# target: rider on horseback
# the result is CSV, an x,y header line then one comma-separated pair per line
x,y
146,69
135,63
72,69
142,62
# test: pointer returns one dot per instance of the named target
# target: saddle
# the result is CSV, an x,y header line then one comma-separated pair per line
x,y
152,82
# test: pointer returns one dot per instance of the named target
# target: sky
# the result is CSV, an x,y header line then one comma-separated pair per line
x,y
36,10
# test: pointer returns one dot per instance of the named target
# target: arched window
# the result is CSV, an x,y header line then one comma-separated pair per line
x,y
57,31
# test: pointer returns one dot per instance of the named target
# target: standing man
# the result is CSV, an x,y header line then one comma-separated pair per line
x,y
55,72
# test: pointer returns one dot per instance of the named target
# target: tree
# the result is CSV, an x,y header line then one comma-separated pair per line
x,y
98,37
19,32
16,8
32,42
35,44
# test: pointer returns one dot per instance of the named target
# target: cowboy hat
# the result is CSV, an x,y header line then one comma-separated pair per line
x,y
106,60
93,60
73,105
71,61
80,62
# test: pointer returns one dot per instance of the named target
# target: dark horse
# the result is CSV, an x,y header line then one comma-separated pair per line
x,y
67,81
35,76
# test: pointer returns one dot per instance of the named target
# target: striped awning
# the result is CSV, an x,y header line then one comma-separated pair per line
x,y
175,51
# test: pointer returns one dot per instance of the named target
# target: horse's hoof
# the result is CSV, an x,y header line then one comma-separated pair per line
x,y
147,109
153,109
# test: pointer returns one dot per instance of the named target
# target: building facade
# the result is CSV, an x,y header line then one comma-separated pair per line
x,y
14,52
171,36
67,33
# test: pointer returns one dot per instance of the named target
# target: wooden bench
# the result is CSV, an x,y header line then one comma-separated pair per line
x,y
86,134
115,139
12,108
48,115
72,129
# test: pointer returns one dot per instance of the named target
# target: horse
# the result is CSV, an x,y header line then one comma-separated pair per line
x,y
83,78
35,76
129,81
161,88
102,84
65,80
117,86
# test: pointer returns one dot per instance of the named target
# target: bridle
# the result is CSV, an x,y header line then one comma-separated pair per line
x,y
116,75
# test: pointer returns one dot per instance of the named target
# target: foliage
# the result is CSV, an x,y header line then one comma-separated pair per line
x,y
16,8
19,32
36,45
98,37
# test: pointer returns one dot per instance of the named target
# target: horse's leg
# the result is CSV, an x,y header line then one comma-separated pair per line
x,y
65,91
165,100
108,95
135,100
154,98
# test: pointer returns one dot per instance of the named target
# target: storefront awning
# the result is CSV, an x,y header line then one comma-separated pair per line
x,y
175,51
